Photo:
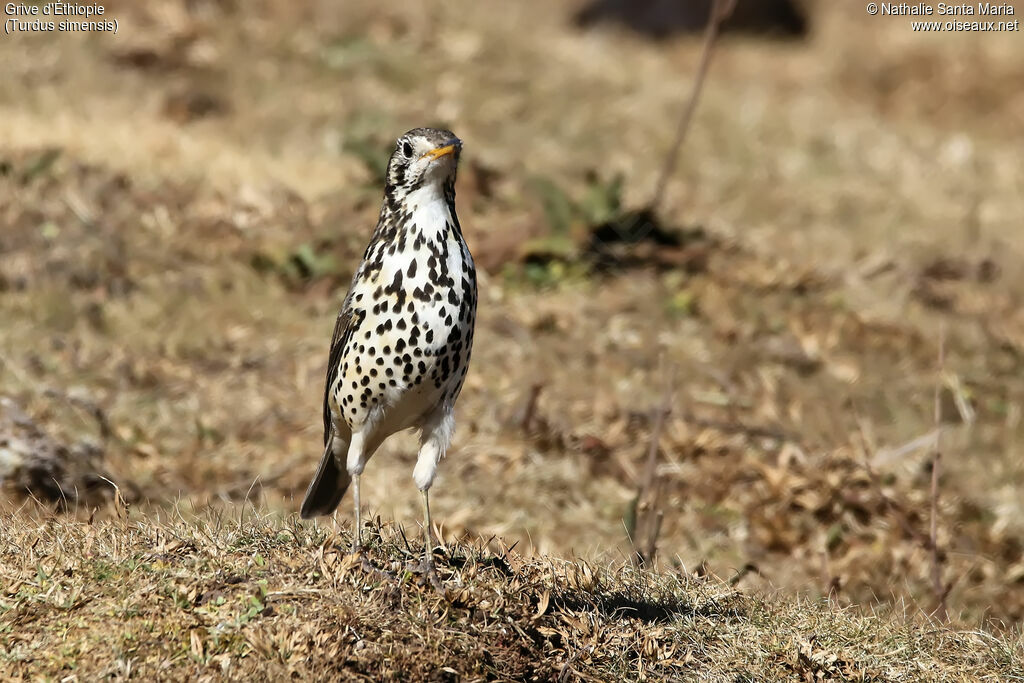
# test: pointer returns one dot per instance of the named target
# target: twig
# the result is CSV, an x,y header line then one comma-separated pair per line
x,y
745,570
647,528
929,541
937,588
531,406
884,456
831,580
720,11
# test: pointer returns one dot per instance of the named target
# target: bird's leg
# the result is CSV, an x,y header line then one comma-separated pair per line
x,y
427,566
428,536
357,533
355,463
435,437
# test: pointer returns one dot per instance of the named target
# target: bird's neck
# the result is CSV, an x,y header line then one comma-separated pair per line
x,y
427,211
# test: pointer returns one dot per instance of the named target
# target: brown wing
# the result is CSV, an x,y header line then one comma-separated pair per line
x,y
342,332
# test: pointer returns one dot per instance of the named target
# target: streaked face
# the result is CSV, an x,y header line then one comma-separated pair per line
x,y
424,155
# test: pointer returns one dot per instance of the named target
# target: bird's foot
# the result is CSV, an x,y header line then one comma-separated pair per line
x,y
428,574
359,558
356,551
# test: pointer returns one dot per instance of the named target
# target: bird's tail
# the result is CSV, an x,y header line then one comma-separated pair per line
x,y
328,486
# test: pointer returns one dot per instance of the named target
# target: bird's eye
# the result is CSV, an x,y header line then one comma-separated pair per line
x,y
407,149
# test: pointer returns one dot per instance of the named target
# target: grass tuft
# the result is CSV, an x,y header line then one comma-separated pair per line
x,y
247,595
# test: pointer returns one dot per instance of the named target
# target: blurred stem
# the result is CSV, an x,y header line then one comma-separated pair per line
x,y
940,592
720,11
648,516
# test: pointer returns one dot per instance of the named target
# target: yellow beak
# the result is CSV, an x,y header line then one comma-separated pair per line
x,y
439,152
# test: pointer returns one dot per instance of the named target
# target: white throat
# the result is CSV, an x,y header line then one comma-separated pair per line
x,y
429,209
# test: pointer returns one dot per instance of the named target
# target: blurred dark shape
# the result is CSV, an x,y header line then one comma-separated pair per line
x,y
34,463
943,282
600,457
660,19
636,239
139,58
158,54
960,268
190,105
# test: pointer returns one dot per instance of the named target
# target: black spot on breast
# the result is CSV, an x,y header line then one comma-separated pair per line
x,y
396,284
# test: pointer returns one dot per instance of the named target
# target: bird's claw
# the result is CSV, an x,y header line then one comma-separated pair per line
x,y
427,574
359,559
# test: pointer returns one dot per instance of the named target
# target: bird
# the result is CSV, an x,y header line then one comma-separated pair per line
x,y
402,341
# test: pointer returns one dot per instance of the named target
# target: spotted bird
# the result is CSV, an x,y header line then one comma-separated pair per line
x,y
401,344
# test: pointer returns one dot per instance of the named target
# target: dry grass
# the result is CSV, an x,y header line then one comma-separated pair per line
x,y
179,268
245,597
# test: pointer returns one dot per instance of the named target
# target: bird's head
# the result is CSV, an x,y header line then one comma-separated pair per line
x,y
422,157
